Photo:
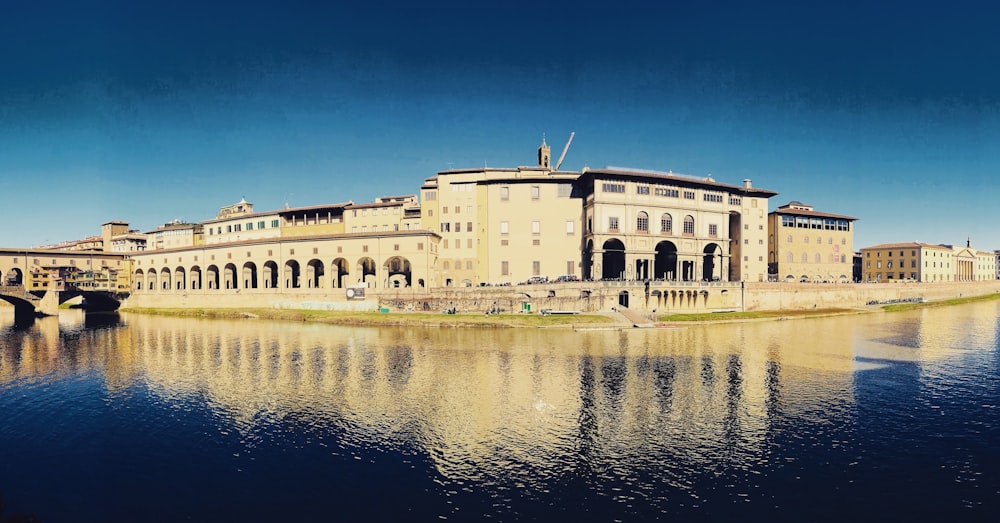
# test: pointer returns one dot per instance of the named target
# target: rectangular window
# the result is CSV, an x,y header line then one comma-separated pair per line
x,y
688,226
274,223
505,193
468,226
713,230
565,190
468,243
613,224
688,195
504,227
613,187
570,227
570,267
536,268
536,227
504,268
249,226
429,196
712,197
458,227
536,242
420,246
536,192
669,192
504,243
642,189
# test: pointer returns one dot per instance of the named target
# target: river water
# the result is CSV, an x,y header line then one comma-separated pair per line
x,y
139,418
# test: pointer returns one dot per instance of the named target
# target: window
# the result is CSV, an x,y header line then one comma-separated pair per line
x,y
642,189
504,227
713,230
274,223
570,267
458,210
505,193
787,221
445,227
468,226
613,224
565,190
666,223
669,192
570,227
689,224
468,264
444,210
613,187
536,268
430,195
458,227
805,258
446,265
536,227
504,268
642,222
712,197
789,258
818,258
249,226
688,195
536,192
805,239
468,243
446,243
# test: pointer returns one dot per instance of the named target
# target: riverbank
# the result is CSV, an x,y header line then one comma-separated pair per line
x,y
518,320
397,319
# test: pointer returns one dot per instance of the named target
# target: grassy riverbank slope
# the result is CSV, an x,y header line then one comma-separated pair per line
x,y
403,319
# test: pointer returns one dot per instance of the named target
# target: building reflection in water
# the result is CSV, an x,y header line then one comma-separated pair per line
x,y
486,404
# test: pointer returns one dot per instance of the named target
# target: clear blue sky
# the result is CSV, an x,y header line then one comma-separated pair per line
x,y
152,111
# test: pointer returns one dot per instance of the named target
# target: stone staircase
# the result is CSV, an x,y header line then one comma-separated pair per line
x,y
639,321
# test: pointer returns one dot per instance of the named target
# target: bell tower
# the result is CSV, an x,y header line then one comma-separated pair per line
x,y
544,155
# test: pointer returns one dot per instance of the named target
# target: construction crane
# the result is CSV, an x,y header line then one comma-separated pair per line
x,y
563,155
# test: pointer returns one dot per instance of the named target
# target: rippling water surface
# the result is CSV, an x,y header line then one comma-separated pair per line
x,y
140,418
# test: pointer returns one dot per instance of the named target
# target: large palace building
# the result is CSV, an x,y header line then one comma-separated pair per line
x,y
469,227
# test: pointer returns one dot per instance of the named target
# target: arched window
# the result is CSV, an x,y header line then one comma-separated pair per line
x,y
642,222
805,258
789,238
791,257
818,258
446,265
805,239
689,224
666,224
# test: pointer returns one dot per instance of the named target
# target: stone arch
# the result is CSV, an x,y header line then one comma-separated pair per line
x,y
398,272
213,277
613,260
712,262
292,274
270,275
230,277
314,274
165,279
340,270
180,278
140,280
151,279
366,268
249,275
665,262
195,276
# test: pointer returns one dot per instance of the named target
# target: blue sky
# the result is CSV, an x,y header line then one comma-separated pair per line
x,y
154,111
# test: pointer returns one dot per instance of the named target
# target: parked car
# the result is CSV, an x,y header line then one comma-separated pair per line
x,y
537,279
568,277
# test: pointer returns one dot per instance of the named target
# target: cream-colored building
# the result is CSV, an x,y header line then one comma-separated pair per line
x,y
643,225
922,262
808,245
174,235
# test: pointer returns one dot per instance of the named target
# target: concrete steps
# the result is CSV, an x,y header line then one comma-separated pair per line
x,y
637,320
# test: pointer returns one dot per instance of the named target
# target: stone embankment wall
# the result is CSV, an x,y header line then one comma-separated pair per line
x,y
658,297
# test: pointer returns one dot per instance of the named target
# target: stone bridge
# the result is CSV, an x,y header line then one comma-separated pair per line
x,y
28,305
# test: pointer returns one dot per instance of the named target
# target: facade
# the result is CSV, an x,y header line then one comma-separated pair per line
x,y
175,235
808,245
648,225
921,262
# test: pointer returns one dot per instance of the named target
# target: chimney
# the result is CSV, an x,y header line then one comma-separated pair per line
x,y
746,183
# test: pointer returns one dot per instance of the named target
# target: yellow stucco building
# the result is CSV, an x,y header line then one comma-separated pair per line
x,y
807,245
922,262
